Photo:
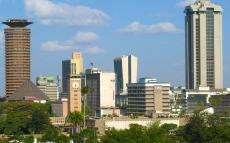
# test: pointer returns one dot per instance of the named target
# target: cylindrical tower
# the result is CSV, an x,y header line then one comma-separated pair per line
x,y
17,54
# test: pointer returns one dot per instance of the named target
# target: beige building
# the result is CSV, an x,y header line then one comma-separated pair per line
x,y
60,108
74,92
203,36
48,86
17,54
70,68
148,97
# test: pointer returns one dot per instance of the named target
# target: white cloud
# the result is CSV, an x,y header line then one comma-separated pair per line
x,y
184,3
49,13
94,50
84,37
137,27
82,41
56,46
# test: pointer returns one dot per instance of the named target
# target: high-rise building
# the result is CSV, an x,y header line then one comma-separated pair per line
x,y
125,68
103,89
71,67
203,32
48,85
148,97
17,54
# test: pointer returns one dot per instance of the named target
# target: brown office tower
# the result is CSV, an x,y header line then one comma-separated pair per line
x,y
17,54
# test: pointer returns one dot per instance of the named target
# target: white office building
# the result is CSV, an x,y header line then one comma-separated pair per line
x,y
103,90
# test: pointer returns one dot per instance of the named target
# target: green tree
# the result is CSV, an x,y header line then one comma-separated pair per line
x,y
39,120
76,119
204,128
28,139
138,134
215,101
88,135
49,134
19,118
62,139
16,123
169,127
86,90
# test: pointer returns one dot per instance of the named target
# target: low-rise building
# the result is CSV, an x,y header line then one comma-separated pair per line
x,y
48,86
28,92
121,123
178,100
199,98
148,97
222,105
60,108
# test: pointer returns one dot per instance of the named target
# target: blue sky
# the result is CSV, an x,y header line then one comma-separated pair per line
x,y
153,30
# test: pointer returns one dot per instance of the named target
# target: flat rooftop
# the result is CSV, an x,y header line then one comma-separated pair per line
x,y
14,23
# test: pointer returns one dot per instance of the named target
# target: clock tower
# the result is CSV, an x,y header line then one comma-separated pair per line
x,y
75,94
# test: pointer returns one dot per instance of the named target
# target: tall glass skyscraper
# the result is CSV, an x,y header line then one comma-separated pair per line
x,y
203,36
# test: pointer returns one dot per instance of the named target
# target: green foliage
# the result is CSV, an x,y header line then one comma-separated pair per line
x,y
86,90
49,134
215,101
169,127
204,128
87,136
88,111
39,121
62,139
18,118
28,139
76,119
137,134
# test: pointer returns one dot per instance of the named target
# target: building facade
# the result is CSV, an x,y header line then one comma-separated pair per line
x,y
60,108
203,36
148,97
223,104
198,99
70,68
103,90
17,54
74,93
125,68
48,85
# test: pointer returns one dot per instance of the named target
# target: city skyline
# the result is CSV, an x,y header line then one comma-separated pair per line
x,y
115,37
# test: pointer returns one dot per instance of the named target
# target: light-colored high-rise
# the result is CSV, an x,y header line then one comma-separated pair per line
x,y
103,85
72,67
125,68
203,32
17,54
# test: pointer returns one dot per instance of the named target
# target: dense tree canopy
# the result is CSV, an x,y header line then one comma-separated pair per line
x,y
204,128
138,134
17,118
